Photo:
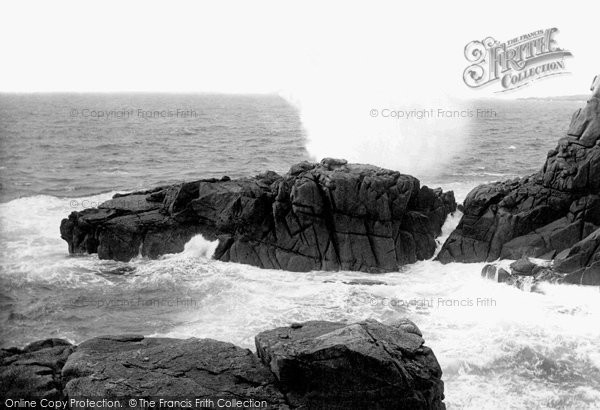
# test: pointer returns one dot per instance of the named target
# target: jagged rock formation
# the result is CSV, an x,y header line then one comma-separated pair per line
x,y
579,265
540,215
362,365
325,365
326,216
581,262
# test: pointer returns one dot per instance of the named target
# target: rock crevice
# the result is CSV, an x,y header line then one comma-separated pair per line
x,y
319,216
542,215
317,364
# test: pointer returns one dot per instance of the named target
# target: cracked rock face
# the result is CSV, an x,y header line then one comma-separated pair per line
x,y
34,371
540,215
129,365
360,365
319,216
578,265
324,365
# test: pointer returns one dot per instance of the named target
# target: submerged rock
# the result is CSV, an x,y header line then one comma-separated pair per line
x,y
579,265
324,365
528,282
541,215
523,266
319,216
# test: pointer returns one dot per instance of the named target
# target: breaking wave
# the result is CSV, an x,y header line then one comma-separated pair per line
x,y
499,347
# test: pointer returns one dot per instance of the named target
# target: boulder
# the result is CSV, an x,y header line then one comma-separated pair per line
x,y
503,275
324,365
523,267
489,272
34,372
319,216
130,365
334,365
542,214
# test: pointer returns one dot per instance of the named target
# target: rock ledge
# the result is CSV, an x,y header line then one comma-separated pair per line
x,y
317,364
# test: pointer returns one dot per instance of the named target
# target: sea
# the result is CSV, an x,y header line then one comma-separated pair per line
x,y
499,347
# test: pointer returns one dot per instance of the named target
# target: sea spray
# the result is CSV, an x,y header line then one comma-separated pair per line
x,y
199,247
541,340
355,127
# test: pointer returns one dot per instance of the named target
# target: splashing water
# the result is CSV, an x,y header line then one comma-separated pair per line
x,y
499,347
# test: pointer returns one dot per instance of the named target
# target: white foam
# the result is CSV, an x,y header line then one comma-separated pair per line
x,y
489,353
199,247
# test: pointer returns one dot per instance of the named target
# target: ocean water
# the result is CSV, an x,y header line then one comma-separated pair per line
x,y
499,347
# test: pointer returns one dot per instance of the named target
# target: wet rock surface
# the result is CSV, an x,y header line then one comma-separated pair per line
x,y
325,365
135,366
361,365
319,216
542,215
578,265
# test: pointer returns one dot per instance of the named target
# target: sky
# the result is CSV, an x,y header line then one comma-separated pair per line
x,y
335,61
274,46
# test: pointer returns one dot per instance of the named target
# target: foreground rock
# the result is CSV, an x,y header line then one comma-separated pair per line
x,y
129,365
325,365
326,216
541,215
34,371
363,365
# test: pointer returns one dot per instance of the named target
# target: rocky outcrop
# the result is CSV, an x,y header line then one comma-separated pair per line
x,y
579,265
581,262
319,216
362,365
35,370
325,365
541,215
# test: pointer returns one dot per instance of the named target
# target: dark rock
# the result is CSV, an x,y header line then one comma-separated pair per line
x,y
581,262
585,125
489,272
503,276
408,326
542,214
497,274
580,255
548,256
523,267
322,365
34,371
589,276
162,367
529,278
362,365
367,282
326,216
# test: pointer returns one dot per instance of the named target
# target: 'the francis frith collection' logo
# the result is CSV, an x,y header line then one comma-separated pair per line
x,y
516,62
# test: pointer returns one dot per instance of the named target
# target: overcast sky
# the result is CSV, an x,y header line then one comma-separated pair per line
x,y
278,46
